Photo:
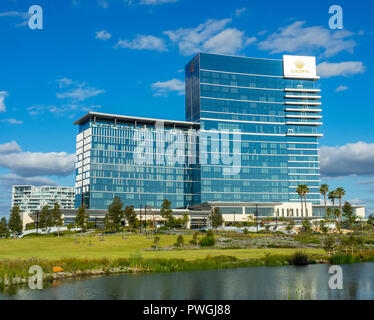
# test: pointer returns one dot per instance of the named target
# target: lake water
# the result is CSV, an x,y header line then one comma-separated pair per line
x,y
287,282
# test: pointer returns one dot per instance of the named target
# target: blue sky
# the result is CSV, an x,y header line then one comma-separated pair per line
x,y
127,57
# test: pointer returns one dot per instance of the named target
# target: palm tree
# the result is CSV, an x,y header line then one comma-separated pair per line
x,y
340,193
323,189
302,191
306,191
332,197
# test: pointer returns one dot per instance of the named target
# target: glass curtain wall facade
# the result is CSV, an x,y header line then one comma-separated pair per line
x,y
278,120
132,158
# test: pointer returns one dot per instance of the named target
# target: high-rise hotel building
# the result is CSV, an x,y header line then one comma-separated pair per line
x,y
257,128
275,105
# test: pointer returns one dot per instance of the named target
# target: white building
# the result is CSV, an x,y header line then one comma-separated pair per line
x,y
32,199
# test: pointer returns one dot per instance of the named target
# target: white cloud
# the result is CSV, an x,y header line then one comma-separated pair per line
x,y
143,42
11,179
348,68
9,147
350,159
80,93
341,88
229,41
12,121
31,164
210,36
3,94
296,38
62,82
22,17
162,88
103,35
239,12
103,3
156,2
65,108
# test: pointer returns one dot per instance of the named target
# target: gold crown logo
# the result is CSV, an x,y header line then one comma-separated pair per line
x,y
299,64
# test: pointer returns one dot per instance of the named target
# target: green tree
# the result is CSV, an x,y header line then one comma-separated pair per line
x,y
324,189
332,198
322,226
349,214
57,217
329,244
4,232
185,219
45,218
195,238
180,241
302,190
81,218
371,220
114,216
290,225
328,213
167,214
156,240
337,214
130,216
15,221
215,218
307,225
340,193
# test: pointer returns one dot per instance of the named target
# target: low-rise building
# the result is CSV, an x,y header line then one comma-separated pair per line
x,y
31,199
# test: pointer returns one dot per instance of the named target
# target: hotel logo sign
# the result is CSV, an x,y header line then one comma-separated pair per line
x,y
299,67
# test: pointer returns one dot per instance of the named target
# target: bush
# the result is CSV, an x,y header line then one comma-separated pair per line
x,y
210,233
90,225
194,238
180,241
207,241
299,259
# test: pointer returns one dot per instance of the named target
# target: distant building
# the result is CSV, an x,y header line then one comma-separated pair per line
x,y
32,199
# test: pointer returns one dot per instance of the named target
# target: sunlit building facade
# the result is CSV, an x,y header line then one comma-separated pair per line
x,y
275,106
253,125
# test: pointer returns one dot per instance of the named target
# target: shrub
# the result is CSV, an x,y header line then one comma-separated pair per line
x,y
299,259
207,241
180,241
194,238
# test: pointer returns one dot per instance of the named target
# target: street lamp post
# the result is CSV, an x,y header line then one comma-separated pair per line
x,y
257,217
140,225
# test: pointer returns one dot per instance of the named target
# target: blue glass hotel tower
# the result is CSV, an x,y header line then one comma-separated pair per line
x,y
274,104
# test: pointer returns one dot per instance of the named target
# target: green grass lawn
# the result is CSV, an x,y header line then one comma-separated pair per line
x,y
116,247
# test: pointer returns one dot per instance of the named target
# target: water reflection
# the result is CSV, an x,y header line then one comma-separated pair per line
x,y
289,282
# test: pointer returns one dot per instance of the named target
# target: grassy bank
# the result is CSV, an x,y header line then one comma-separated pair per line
x,y
18,268
115,247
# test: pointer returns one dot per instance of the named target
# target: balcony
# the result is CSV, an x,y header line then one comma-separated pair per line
x,y
302,110
299,123
299,116
302,103
302,90
296,96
